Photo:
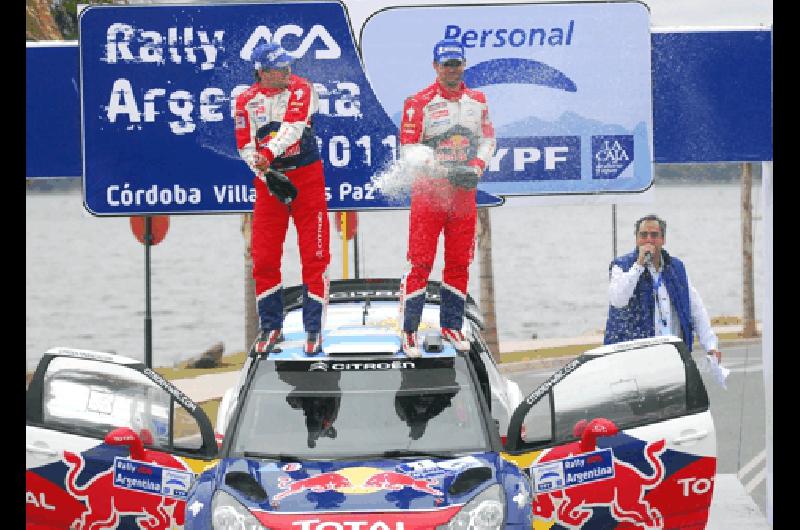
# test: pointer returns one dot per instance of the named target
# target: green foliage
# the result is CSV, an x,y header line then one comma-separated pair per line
x,y
65,13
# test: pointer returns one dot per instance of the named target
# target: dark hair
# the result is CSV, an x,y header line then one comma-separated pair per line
x,y
662,224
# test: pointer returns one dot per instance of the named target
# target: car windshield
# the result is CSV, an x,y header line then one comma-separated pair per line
x,y
350,408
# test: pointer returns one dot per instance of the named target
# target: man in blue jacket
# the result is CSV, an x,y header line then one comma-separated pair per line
x,y
650,294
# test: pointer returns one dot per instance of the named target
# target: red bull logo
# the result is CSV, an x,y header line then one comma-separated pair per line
x,y
292,150
317,484
396,481
453,149
105,503
359,480
623,493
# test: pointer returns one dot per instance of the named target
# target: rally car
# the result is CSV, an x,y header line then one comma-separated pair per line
x,y
362,437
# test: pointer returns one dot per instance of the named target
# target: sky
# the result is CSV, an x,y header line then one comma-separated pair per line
x,y
663,13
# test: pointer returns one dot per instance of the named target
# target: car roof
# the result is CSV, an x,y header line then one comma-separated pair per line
x,y
374,290
62,351
361,342
362,321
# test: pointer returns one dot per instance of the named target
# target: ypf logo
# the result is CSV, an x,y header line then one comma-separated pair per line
x,y
316,33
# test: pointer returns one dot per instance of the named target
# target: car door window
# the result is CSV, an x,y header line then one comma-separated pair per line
x,y
92,398
537,428
633,387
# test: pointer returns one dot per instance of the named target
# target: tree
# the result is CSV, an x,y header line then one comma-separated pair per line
x,y
55,19
487,282
39,21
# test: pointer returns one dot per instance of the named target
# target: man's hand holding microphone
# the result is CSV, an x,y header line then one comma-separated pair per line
x,y
646,254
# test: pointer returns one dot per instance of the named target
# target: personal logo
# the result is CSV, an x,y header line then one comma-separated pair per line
x,y
612,155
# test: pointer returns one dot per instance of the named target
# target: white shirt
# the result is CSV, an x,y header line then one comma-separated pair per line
x,y
665,316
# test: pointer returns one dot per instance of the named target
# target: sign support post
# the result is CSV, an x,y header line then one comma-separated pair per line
x,y
148,321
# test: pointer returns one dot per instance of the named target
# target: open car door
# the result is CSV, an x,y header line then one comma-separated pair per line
x,y
109,444
620,437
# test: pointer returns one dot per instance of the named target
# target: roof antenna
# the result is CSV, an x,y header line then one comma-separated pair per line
x,y
366,311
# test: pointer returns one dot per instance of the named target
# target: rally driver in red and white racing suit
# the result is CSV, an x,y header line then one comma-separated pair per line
x,y
273,124
454,121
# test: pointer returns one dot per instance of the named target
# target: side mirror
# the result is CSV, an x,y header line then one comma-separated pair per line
x,y
590,432
128,437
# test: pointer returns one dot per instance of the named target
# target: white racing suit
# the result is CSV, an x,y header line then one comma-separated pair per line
x,y
456,125
292,149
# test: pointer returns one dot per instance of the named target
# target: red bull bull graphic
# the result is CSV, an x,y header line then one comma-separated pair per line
x,y
621,489
356,481
47,501
455,148
389,480
106,502
318,483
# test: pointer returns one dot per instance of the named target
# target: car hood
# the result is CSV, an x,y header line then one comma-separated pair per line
x,y
433,488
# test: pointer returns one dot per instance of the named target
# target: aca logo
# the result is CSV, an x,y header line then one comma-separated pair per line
x,y
317,32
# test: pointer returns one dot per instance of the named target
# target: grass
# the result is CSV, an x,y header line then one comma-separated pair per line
x,y
211,407
234,361
228,363
546,353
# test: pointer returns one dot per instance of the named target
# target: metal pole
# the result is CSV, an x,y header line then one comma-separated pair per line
x,y
148,321
766,324
748,295
355,254
345,245
613,231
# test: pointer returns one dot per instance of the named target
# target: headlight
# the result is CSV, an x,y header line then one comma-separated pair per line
x,y
487,511
228,514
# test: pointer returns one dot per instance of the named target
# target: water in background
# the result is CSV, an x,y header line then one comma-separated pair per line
x,y
85,275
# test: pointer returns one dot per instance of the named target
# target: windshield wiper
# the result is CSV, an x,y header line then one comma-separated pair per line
x,y
414,452
273,456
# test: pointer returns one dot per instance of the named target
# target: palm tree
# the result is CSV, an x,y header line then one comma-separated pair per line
x,y
487,282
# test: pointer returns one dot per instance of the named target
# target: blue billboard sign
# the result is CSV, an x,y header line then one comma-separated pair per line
x,y
158,92
158,83
570,100
52,110
711,90
712,96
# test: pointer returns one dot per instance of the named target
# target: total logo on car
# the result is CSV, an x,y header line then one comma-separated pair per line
x,y
361,437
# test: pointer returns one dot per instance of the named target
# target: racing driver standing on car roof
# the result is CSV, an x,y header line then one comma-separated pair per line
x,y
454,121
274,131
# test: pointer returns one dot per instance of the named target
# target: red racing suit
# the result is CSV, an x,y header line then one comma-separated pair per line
x,y
291,148
456,125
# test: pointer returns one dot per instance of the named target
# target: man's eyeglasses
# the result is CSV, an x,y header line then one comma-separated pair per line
x,y
452,63
654,235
